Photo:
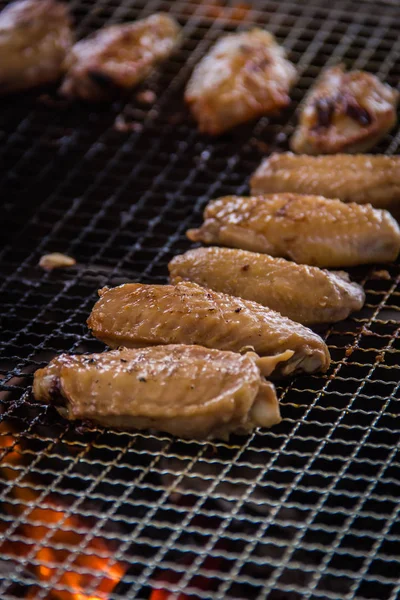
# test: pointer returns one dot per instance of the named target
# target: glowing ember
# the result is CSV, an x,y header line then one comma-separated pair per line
x,y
161,594
199,582
165,595
60,556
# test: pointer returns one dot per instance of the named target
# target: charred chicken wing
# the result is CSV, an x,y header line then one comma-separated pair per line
x,y
35,36
119,57
305,294
364,178
311,230
136,315
344,112
188,391
245,75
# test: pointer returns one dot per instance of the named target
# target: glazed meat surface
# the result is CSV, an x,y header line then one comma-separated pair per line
x,y
308,295
119,57
311,230
137,315
344,112
35,36
244,75
188,391
364,178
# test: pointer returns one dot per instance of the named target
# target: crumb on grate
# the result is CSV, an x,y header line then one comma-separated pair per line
x,y
56,260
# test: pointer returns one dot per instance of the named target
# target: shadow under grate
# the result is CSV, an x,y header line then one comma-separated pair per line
x,y
307,510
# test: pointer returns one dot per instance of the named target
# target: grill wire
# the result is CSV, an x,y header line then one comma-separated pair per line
x,y
306,510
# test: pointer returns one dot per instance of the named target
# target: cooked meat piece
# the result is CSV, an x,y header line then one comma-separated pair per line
x,y
119,57
56,260
188,391
35,36
363,178
305,294
245,75
311,230
344,112
136,315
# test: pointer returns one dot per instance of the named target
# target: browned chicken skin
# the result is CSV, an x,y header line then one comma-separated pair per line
x,y
137,315
344,112
187,391
311,230
35,36
119,57
308,295
244,75
364,178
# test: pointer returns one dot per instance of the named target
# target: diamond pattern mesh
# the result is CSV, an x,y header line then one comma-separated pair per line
x,y
306,510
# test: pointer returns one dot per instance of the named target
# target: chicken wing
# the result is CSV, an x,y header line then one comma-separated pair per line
x,y
188,391
137,315
245,75
119,57
344,112
305,294
365,178
35,36
311,230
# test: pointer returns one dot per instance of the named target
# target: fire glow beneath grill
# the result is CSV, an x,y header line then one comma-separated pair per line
x,y
159,593
75,569
198,582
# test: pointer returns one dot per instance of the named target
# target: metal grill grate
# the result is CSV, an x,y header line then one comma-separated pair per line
x,y
307,510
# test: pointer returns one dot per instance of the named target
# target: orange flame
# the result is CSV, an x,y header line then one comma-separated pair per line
x,y
91,567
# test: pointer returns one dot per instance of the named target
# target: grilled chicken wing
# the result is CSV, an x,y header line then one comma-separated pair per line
x,y
119,57
365,178
137,315
311,230
344,112
305,294
188,391
245,75
35,36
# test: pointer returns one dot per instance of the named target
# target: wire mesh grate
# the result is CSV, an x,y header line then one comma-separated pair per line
x,y
306,510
